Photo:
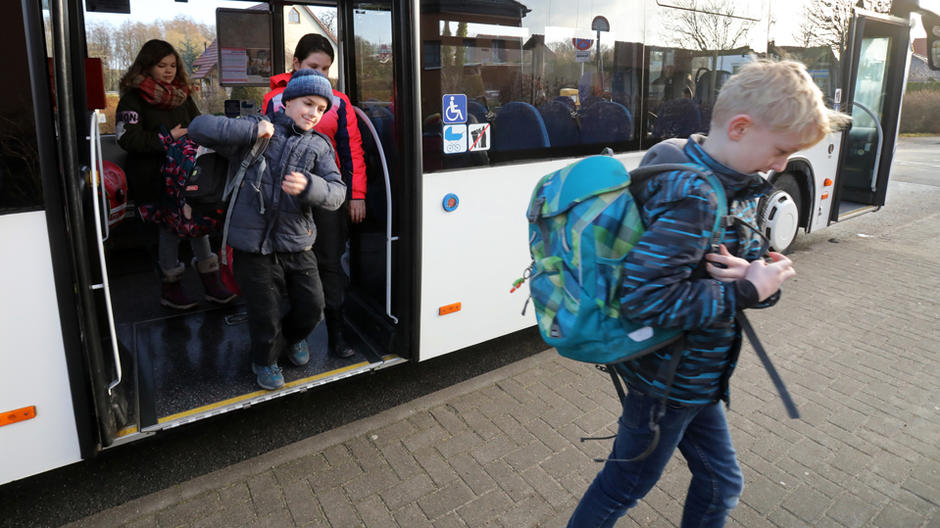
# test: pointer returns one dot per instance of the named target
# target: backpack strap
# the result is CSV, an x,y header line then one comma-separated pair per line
x,y
232,186
768,365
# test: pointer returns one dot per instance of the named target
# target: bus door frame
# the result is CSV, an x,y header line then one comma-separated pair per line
x,y
895,82
68,37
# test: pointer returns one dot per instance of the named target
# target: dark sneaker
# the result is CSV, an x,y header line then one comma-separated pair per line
x,y
173,296
339,347
269,377
299,353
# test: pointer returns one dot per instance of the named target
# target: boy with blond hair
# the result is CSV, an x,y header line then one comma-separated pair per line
x,y
675,278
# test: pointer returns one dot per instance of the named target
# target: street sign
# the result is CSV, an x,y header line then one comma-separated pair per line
x,y
600,24
582,43
582,55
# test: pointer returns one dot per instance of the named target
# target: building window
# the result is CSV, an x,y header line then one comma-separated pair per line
x,y
293,17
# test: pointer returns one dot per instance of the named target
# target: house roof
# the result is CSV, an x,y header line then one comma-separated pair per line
x,y
204,63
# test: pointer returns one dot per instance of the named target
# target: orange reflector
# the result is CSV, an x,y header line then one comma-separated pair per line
x,y
19,415
827,182
449,309
825,195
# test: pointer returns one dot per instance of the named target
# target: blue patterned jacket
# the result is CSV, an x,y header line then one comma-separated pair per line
x,y
666,283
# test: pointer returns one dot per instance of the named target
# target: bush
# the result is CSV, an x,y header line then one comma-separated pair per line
x,y
919,111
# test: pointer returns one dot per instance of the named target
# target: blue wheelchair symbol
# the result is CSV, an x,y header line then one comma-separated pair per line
x,y
454,109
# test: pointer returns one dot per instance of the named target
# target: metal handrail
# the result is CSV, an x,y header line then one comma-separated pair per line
x,y
881,135
388,215
97,183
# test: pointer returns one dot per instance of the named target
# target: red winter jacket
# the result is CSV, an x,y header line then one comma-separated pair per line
x,y
346,140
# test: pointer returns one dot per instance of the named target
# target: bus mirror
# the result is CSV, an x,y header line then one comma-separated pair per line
x,y
932,27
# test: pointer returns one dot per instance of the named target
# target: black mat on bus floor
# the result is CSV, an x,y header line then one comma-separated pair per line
x,y
192,360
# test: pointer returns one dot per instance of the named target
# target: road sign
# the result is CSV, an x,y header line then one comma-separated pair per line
x,y
454,109
582,44
582,55
600,24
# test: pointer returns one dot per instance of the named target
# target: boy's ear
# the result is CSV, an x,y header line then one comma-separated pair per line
x,y
738,126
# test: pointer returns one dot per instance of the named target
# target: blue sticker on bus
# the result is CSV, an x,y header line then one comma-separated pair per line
x,y
454,109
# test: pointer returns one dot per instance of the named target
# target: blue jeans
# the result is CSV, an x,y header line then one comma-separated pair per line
x,y
702,436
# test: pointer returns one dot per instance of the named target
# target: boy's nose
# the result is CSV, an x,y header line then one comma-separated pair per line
x,y
779,164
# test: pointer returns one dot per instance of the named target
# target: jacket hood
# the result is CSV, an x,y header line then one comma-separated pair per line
x,y
280,80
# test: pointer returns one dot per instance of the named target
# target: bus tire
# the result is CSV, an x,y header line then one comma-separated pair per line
x,y
779,213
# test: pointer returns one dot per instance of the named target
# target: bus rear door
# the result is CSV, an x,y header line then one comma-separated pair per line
x,y
876,68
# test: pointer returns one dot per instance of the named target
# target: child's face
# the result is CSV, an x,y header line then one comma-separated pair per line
x,y
315,61
165,70
758,148
306,111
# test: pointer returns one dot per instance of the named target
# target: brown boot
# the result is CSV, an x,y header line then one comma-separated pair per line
x,y
211,281
171,290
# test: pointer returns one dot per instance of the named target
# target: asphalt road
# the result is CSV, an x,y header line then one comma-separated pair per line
x,y
153,464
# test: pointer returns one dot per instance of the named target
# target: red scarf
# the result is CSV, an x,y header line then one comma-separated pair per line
x,y
161,94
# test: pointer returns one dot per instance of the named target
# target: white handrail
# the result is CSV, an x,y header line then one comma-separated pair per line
x,y
97,168
388,215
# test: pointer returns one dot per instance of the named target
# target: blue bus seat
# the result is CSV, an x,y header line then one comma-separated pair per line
x,y
606,122
562,127
519,126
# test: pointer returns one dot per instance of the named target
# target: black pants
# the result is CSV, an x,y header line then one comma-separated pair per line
x,y
332,232
263,280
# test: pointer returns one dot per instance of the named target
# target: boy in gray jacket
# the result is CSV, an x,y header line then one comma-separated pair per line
x,y
272,229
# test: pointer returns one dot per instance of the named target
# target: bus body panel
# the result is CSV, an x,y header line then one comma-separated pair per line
x,y
472,255
823,158
32,369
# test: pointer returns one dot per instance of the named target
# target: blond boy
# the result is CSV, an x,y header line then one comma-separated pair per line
x,y
763,114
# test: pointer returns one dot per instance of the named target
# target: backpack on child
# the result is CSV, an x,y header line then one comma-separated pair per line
x,y
583,221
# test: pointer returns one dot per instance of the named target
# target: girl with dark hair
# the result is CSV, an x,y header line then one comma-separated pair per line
x,y
341,126
154,111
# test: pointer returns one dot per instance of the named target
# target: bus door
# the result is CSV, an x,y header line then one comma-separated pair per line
x,y
876,62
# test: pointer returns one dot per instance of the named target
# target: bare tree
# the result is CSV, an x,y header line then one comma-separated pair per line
x,y
826,22
708,24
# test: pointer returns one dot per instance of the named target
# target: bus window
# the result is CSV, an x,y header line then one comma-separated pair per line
x,y
693,48
300,20
20,185
530,80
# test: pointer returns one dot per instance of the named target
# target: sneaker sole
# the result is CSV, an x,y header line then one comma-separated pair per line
x,y
299,363
262,385
221,301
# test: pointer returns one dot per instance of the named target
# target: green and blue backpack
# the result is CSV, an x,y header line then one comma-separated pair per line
x,y
583,221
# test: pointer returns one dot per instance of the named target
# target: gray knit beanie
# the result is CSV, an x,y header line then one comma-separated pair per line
x,y
308,82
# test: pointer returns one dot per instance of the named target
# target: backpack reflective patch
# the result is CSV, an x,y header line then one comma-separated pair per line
x,y
583,222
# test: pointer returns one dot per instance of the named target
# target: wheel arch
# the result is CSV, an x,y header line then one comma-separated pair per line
x,y
802,170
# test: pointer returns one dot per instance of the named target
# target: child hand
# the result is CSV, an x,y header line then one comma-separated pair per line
x,y
265,129
732,268
767,278
294,183
177,132
187,211
357,211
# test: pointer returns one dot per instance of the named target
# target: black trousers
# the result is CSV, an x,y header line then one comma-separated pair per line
x,y
332,232
264,279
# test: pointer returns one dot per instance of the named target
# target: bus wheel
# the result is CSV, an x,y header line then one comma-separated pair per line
x,y
779,213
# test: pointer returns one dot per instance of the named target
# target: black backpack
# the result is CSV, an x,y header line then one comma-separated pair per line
x,y
208,189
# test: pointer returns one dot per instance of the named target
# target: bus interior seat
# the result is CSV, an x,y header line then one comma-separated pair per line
x,y
606,122
562,127
569,102
707,85
477,110
856,179
678,118
519,126
111,151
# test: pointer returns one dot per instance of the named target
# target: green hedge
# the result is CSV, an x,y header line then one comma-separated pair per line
x,y
920,111
923,86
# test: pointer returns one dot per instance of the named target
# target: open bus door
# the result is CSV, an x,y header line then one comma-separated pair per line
x,y
876,65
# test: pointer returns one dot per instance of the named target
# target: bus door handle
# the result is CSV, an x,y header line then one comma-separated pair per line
x,y
881,138
97,184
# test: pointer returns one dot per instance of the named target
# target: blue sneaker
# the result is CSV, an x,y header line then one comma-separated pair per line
x,y
299,353
269,377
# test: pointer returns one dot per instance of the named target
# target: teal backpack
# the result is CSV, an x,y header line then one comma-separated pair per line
x,y
583,222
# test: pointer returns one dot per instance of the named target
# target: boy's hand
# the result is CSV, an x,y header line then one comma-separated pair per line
x,y
294,183
177,132
357,210
265,129
730,269
187,212
767,278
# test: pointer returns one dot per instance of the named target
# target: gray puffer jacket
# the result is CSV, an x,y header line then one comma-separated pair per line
x,y
265,219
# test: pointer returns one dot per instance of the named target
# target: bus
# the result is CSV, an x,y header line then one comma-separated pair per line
x,y
463,106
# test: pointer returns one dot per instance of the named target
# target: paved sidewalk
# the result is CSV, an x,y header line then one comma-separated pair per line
x,y
856,337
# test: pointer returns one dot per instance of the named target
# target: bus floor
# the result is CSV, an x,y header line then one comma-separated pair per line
x,y
187,363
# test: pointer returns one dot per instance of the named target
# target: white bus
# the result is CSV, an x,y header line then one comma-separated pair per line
x,y
470,103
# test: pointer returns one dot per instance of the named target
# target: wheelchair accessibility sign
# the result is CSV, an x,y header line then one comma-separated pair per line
x,y
454,109
455,139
